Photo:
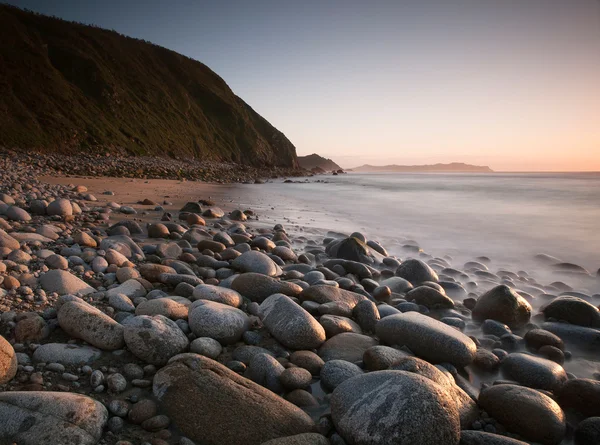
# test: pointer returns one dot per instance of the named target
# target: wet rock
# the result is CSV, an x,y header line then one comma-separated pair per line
x,y
386,407
427,338
86,322
503,304
347,346
290,324
154,339
535,372
430,298
573,310
537,338
246,412
416,272
33,418
218,294
580,395
257,262
257,286
525,411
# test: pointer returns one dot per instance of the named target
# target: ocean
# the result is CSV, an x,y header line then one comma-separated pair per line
x,y
508,217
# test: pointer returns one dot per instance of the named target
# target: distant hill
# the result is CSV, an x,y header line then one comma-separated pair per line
x,y
455,167
66,87
315,161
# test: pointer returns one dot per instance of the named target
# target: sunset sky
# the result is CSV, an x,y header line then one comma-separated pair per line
x,y
513,84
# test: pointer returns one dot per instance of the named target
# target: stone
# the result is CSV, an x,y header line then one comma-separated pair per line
x,y
198,393
580,395
266,371
158,230
299,439
45,417
347,346
334,324
578,338
219,321
56,262
534,372
295,378
416,272
482,438
257,286
8,361
352,249
254,261
8,241
378,358
573,310
86,322
154,339
537,338
130,288
588,432
121,303
526,412
175,308
290,324
60,207
141,411
394,407
116,383
323,293
15,213
207,347
503,304
218,294
366,315
63,282
430,298
152,272
427,338
335,372
397,285
307,360
66,354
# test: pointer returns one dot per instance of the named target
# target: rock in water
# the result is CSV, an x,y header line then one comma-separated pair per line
x,y
199,394
525,411
503,304
88,323
8,361
34,418
394,407
428,338
416,271
62,282
154,339
574,310
290,324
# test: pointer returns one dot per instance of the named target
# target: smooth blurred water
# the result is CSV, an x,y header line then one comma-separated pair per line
x,y
507,217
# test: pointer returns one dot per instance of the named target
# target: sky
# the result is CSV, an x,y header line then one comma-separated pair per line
x,y
512,84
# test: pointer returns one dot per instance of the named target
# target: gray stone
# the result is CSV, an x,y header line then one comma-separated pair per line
x,y
503,304
290,324
335,372
62,282
524,411
34,418
198,393
427,338
85,322
483,438
257,286
323,293
265,370
378,358
207,347
581,396
576,337
66,354
573,310
299,439
346,346
416,272
130,288
366,315
154,339
254,261
218,294
175,308
397,285
430,298
394,407
219,321
334,324
121,302
532,371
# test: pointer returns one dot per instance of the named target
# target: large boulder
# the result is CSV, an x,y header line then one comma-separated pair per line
x,y
573,310
63,282
257,287
503,304
35,417
154,339
221,322
416,271
428,338
290,324
254,261
8,361
394,407
198,393
83,321
525,411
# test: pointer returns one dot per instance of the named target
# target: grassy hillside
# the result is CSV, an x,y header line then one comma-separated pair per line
x,y
66,87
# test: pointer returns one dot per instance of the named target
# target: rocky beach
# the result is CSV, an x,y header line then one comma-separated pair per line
x,y
152,311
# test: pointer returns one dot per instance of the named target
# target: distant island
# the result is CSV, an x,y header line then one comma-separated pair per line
x,y
454,167
317,164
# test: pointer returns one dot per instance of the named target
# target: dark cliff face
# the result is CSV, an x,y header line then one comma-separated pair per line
x,y
66,87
